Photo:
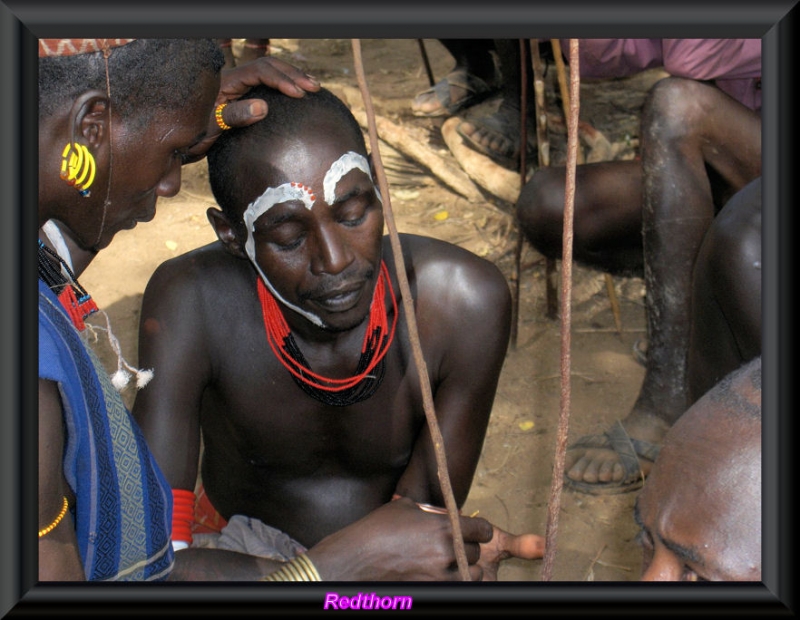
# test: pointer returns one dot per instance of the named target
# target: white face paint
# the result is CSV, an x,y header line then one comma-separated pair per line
x,y
296,191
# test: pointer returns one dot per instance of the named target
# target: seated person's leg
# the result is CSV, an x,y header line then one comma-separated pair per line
x,y
607,216
497,135
726,298
686,126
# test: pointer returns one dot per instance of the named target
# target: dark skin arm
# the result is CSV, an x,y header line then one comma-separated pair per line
x,y
59,558
464,371
476,302
396,542
168,411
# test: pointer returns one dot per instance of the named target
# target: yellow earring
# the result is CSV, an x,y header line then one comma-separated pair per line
x,y
78,167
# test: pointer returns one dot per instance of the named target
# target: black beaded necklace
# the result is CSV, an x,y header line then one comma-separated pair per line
x,y
76,301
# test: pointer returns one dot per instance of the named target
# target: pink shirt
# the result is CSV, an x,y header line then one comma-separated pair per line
x,y
734,65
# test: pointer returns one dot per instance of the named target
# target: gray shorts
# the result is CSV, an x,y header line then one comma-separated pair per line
x,y
251,536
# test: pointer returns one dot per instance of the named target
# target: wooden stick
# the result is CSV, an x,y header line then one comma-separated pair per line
x,y
426,62
398,138
562,82
612,297
411,320
554,503
523,166
543,143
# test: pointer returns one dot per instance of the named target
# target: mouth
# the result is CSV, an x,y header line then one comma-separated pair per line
x,y
340,300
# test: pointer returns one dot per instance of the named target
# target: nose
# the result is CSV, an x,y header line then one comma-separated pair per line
x,y
332,251
170,183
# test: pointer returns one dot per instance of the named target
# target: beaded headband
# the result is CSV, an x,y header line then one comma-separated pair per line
x,y
72,47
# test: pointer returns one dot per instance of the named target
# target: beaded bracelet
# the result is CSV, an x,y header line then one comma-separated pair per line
x,y
60,516
218,116
298,569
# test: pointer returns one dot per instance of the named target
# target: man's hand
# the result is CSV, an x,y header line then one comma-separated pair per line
x,y
400,542
234,83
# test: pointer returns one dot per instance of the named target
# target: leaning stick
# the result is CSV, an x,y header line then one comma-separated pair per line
x,y
554,504
562,83
413,333
543,142
523,167
426,62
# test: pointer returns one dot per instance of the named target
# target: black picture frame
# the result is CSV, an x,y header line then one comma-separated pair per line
x,y
23,21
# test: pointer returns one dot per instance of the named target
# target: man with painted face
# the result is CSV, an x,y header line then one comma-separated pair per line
x,y
700,508
283,346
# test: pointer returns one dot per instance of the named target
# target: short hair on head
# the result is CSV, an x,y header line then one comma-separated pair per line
x,y
285,118
144,75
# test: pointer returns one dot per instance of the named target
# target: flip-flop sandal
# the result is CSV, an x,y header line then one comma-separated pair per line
x,y
476,90
499,125
629,451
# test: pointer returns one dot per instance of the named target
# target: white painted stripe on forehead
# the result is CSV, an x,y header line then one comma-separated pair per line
x,y
347,162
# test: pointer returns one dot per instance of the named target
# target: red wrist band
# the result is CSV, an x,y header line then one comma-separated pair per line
x,y
182,515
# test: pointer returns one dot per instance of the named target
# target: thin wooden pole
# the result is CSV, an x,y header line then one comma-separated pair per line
x,y
543,142
554,503
523,167
564,88
411,320
426,62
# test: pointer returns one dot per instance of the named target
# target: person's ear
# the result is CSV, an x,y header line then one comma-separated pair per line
x,y
90,119
226,232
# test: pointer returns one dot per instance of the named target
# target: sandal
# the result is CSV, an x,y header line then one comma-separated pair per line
x,y
437,100
628,449
497,136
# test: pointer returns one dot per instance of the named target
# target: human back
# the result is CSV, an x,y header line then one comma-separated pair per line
x,y
271,451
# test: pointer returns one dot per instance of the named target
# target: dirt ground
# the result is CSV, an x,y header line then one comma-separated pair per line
x,y
596,534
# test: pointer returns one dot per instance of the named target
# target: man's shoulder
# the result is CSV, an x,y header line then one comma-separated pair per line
x,y
203,263
208,267
421,251
437,265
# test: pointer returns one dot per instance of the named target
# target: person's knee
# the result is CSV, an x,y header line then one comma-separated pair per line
x,y
540,210
674,108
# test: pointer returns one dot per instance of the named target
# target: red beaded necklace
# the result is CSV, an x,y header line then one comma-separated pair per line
x,y
370,371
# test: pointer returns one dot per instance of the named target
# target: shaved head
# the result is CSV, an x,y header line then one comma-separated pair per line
x,y
700,509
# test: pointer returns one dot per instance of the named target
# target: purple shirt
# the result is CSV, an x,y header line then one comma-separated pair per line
x,y
734,65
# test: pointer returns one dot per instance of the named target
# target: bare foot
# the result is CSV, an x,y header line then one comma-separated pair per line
x,y
620,459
